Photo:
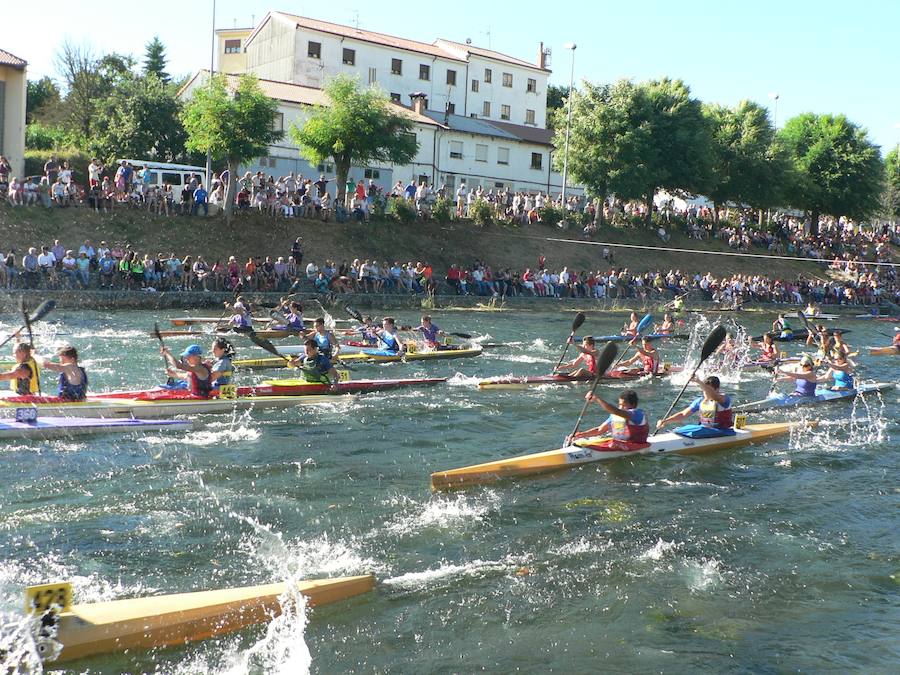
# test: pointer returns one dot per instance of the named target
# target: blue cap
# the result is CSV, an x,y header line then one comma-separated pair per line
x,y
193,350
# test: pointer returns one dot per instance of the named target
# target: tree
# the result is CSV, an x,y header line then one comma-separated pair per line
x,y
358,126
748,168
232,123
155,59
41,94
634,139
839,170
556,99
141,118
892,184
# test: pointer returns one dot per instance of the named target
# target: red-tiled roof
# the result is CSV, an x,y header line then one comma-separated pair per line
x,y
7,59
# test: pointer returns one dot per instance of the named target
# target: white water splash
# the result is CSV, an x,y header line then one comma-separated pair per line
x,y
658,550
460,380
865,425
445,512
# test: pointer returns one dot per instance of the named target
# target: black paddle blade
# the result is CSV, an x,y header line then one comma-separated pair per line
x,y
265,344
716,338
577,321
156,333
464,336
43,310
802,317
607,356
355,315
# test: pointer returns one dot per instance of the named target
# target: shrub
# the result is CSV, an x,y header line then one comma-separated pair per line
x,y
402,211
77,159
442,211
551,215
481,213
49,137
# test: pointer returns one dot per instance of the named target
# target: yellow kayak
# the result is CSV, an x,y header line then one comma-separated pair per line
x,y
160,621
370,356
884,351
580,453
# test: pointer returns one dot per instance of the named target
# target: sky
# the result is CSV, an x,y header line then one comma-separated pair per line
x,y
822,56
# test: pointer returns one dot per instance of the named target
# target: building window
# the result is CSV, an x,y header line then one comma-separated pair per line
x,y
451,78
499,185
349,57
325,168
486,109
487,75
424,72
373,76
504,112
410,136
536,160
372,173
531,87
396,67
502,155
529,117
395,97
481,153
456,149
278,122
474,85
507,79
314,50
232,46
451,108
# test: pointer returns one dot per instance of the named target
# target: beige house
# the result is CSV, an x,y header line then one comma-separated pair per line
x,y
13,87
230,52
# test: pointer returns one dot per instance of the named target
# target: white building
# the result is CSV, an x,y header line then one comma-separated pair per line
x,y
479,116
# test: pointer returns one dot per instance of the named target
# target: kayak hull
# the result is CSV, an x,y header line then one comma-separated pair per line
x,y
822,396
574,455
45,428
884,351
267,334
371,356
161,621
627,338
518,383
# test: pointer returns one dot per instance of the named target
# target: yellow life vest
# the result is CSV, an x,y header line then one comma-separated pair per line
x,y
33,386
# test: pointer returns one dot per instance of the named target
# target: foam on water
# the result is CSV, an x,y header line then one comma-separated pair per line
x,y
658,550
460,380
446,572
444,512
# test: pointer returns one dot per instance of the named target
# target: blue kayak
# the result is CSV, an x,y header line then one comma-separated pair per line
x,y
822,396
626,338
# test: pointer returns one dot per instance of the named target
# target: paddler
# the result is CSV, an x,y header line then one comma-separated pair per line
x,y
678,304
191,362
24,379
713,406
626,423
805,380
388,335
838,346
812,310
631,326
430,332
222,370
768,348
240,317
782,327
328,345
583,364
840,369
667,327
368,331
293,317
73,380
315,366
647,357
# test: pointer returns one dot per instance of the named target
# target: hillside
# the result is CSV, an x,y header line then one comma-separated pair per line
x,y
459,242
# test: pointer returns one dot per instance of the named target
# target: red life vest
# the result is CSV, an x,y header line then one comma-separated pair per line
x,y
591,363
650,362
201,387
627,430
714,414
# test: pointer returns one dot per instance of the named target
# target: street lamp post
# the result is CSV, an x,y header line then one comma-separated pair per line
x,y
565,176
775,96
212,71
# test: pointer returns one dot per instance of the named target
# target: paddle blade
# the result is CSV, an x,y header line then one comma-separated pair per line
x,y
607,356
156,333
646,321
802,317
356,316
43,310
716,338
464,336
577,321
265,344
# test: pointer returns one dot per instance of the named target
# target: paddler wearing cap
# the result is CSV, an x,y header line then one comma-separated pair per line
x,y
647,357
191,362
24,379
583,364
805,380
713,406
73,379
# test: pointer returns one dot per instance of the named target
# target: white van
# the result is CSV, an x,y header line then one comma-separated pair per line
x,y
176,175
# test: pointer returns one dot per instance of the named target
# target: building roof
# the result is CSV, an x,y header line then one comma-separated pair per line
x,y
297,93
471,125
7,59
526,132
450,45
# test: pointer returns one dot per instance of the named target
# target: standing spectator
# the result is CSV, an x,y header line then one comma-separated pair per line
x,y
51,169
201,199
5,170
83,264
297,251
321,186
95,171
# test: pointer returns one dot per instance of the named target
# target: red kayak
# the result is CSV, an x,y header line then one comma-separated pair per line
x,y
278,388
538,380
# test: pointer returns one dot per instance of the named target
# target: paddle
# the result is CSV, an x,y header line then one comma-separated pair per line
x,y
716,337
603,362
355,315
156,334
576,324
222,318
30,338
775,373
42,310
266,344
641,327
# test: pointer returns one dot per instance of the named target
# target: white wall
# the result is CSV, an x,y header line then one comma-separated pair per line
x,y
270,55
516,97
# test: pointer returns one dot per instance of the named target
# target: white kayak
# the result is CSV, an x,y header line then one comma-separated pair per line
x,y
822,396
63,427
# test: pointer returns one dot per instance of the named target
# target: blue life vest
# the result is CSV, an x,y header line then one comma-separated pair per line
x,y
842,379
804,388
224,367
324,344
73,392
390,342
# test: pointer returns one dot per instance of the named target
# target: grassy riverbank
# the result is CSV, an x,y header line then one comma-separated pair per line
x,y
460,242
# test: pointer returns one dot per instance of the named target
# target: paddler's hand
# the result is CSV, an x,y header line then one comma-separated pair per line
x,y
164,350
589,396
660,424
568,440
570,340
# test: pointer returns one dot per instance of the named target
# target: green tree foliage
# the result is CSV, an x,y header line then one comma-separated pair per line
x,y
358,126
839,170
556,99
41,95
155,59
748,168
892,184
633,139
233,124
140,119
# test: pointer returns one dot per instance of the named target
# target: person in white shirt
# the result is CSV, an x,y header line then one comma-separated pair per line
x,y
312,270
461,200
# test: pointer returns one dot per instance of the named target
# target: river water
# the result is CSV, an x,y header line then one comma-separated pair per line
x,y
771,558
